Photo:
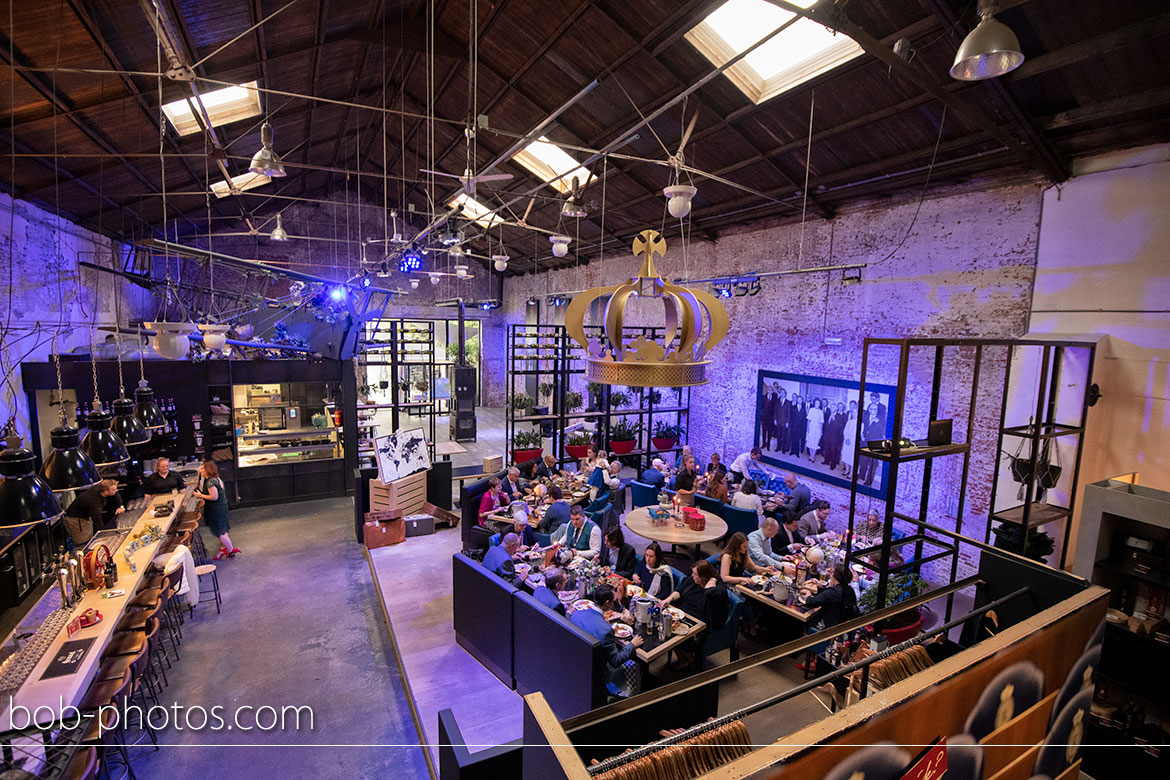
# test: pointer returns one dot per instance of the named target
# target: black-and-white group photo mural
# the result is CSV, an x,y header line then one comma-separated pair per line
x,y
808,424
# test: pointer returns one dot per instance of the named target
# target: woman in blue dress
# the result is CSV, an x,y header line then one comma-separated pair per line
x,y
215,509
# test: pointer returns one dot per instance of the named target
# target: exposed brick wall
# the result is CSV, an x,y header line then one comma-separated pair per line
x,y
45,290
965,270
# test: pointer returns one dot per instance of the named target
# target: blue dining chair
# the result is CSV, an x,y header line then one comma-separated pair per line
x,y
643,494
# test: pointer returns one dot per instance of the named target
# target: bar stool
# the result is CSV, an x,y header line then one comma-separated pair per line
x,y
208,570
145,598
83,765
107,726
125,643
141,688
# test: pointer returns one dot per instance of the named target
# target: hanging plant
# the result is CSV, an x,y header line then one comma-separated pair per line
x,y
655,397
545,389
422,385
573,401
618,400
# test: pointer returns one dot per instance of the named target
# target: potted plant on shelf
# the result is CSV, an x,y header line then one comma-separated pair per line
x,y
526,446
577,445
618,400
666,436
1010,535
901,586
623,436
573,401
545,390
521,403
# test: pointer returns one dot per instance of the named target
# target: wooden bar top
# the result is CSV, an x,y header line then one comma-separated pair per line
x,y
71,688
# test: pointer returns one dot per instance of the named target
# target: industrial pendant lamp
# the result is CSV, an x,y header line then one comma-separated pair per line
x,y
988,51
145,409
278,233
128,427
266,162
24,497
102,445
67,467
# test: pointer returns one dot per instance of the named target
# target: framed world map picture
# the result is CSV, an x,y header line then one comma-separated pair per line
x,y
401,454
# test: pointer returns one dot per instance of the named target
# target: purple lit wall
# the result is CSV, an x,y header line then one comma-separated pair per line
x,y
965,269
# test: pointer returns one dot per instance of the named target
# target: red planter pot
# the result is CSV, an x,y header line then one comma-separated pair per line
x,y
896,635
622,447
577,450
523,456
663,444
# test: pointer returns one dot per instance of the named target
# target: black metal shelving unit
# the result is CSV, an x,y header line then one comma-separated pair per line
x,y
547,352
1032,512
409,352
921,538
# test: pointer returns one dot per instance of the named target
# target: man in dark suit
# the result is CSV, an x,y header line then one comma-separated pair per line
x,y
782,411
785,541
768,418
873,428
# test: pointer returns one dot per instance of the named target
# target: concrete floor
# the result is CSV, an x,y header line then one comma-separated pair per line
x,y
300,626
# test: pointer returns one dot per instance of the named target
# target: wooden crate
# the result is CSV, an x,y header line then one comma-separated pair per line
x,y
493,463
406,495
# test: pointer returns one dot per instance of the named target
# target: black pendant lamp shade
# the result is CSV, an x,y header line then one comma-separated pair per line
x,y
24,497
101,444
145,408
127,425
67,467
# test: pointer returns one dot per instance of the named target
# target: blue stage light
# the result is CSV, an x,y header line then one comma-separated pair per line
x,y
337,293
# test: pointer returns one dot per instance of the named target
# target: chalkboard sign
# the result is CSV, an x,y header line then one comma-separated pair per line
x,y
69,657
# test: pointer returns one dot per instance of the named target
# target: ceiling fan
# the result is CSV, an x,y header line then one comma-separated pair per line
x,y
469,179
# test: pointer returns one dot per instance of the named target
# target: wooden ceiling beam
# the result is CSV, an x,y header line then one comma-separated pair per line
x,y
1138,32
836,18
1050,162
49,93
1146,100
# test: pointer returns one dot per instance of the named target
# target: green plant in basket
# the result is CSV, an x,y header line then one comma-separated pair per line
x,y
624,430
573,401
579,439
545,389
521,402
664,430
527,440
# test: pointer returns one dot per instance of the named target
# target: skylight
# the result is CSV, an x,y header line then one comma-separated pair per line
x,y
475,211
243,182
548,161
802,51
225,105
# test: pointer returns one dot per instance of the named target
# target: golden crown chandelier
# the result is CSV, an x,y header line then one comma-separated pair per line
x,y
643,362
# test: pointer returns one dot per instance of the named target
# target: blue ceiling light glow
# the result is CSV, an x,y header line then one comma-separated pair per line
x,y
486,305
337,293
411,261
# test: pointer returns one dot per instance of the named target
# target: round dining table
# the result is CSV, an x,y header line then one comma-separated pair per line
x,y
638,521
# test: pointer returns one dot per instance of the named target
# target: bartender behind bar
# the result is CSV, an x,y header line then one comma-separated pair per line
x,y
163,480
93,509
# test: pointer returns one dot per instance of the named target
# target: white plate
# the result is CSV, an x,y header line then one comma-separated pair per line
x,y
582,604
675,613
759,579
622,631
634,591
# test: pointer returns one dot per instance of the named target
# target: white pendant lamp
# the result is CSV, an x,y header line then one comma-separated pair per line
x,y
214,336
500,262
679,203
560,244
171,339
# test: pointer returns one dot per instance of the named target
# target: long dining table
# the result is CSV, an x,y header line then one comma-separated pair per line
x,y
41,695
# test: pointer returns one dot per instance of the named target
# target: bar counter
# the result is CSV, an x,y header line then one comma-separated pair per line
x,y
69,689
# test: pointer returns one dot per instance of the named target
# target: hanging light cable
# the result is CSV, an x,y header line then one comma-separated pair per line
x,y
67,467
126,424
102,445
